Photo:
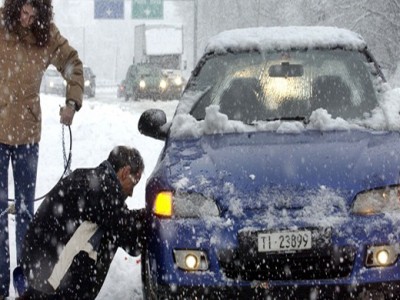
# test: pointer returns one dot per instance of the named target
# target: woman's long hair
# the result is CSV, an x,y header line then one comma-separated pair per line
x,y
40,27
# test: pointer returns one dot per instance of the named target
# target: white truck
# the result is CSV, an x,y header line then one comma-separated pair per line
x,y
157,68
160,44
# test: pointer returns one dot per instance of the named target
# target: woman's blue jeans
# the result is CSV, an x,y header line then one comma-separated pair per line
x,y
24,162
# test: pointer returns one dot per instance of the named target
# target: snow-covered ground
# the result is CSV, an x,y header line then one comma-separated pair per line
x,y
102,123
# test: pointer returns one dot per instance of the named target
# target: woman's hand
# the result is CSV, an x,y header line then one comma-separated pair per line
x,y
67,113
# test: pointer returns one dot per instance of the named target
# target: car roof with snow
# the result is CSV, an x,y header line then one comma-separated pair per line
x,y
285,38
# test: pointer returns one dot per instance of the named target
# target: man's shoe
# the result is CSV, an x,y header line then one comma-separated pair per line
x,y
20,282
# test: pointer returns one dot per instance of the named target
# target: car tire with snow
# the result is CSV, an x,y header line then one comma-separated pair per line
x,y
149,290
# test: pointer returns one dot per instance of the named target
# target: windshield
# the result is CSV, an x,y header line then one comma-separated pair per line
x,y
147,70
287,85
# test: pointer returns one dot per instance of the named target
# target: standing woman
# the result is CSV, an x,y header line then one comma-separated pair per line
x,y
29,43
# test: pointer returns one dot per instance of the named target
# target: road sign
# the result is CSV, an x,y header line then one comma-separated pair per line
x,y
109,9
147,9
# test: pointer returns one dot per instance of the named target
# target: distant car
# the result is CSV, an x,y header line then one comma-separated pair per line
x,y
90,82
279,177
148,81
53,82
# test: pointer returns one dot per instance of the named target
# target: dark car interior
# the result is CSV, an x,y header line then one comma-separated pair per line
x,y
240,101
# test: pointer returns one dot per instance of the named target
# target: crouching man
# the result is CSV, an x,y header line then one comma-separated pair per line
x,y
79,226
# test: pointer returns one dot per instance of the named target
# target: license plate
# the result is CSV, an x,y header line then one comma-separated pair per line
x,y
284,241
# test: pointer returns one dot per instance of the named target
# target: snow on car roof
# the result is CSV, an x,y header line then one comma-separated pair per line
x,y
285,38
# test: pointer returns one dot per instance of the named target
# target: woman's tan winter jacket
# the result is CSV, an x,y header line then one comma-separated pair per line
x,y
22,65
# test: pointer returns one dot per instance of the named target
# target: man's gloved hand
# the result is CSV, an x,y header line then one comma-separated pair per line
x,y
67,113
11,208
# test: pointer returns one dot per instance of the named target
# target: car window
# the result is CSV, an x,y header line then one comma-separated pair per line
x,y
149,70
257,86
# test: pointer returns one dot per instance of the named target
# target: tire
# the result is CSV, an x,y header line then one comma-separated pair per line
x,y
148,289
93,92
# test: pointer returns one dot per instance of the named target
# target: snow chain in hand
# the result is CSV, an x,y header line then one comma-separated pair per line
x,y
67,160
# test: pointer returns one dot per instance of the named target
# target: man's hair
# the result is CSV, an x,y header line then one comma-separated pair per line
x,y
122,156
40,27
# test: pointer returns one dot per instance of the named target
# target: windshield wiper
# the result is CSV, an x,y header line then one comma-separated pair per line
x,y
305,120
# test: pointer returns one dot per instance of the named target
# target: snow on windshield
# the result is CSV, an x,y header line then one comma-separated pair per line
x,y
384,117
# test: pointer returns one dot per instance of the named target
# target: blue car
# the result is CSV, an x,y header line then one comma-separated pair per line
x,y
279,177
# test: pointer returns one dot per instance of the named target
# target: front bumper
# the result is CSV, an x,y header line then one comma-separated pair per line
x,y
335,270
316,291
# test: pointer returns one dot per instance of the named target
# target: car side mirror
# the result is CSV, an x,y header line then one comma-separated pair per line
x,y
151,124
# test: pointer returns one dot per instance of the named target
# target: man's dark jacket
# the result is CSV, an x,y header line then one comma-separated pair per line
x,y
91,202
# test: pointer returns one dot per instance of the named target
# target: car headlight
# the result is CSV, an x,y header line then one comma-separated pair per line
x,y
163,84
142,84
381,256
191,259
184,205
178,80
377,201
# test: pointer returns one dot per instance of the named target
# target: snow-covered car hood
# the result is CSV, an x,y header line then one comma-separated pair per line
x,y
247,165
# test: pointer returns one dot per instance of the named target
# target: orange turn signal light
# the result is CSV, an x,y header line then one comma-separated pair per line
x,y
163,204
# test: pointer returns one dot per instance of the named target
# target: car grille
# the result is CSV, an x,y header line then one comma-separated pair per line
x,y
323,261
